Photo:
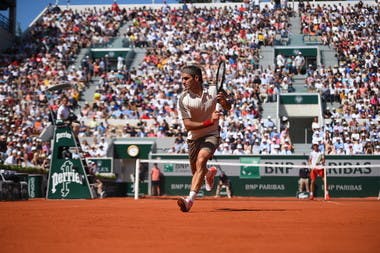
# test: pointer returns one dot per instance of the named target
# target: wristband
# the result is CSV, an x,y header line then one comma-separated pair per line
x,y
207,123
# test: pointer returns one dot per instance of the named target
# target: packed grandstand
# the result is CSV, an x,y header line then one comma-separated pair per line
x,y
141,100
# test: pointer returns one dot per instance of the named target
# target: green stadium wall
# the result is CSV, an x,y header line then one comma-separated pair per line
x,y
277,181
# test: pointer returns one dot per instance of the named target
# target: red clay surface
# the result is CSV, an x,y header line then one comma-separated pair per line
x,y
213,225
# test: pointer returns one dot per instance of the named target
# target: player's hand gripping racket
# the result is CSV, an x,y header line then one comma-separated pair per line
x,y
220,76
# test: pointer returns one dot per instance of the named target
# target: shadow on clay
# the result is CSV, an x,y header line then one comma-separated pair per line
x,y
248,210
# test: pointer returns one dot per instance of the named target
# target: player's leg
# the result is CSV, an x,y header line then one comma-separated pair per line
x,y
312,183
210,144
185,204
198,157
201,170
324,179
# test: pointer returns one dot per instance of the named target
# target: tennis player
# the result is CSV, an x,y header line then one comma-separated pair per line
x,y
198,110
316,161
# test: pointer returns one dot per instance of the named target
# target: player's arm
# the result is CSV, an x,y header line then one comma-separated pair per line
x,y
195,125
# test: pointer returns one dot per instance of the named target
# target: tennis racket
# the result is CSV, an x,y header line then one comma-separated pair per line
x,y
220,76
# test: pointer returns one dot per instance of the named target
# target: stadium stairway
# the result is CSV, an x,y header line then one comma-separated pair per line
x,y
120,40
299,83
328,57
88,94
296,38
302,148
269,109
267,60
139,57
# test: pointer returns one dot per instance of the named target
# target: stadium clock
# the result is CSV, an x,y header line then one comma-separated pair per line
x,y
133,151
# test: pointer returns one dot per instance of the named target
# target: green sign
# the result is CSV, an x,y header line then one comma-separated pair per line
x,y
281,186
250,171
35,186
103,164
306,51
112,53
311,99
120,149
275,178
168,168
67,177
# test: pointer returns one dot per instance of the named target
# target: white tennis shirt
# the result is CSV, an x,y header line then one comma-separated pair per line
x,y
199,108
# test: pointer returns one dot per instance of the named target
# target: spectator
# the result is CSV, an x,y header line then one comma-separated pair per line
x,y
11,159
299,63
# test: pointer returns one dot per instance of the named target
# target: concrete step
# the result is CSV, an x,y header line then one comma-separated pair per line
x,y
302,148
138,58
88,94
295,24
266,57
296,40
269,109
328,58
299,83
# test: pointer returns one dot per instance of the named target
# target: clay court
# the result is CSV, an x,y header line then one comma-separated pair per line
x,y
213,225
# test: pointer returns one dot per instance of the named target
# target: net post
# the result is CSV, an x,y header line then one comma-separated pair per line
x,y
137,179
325,183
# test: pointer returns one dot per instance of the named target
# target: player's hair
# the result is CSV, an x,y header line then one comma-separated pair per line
x,y
193,71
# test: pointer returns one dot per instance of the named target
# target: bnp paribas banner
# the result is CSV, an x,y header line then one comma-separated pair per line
x,y
348,176
67,177
277,166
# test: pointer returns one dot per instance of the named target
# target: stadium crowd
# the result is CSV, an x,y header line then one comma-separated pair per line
x,y
171,46
353,32
175,37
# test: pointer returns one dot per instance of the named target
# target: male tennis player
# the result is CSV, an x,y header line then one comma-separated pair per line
x,y
198,111
316,161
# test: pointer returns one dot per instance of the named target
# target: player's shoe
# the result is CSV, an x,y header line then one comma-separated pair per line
x,y
327,197
311,197
184,204
209,178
